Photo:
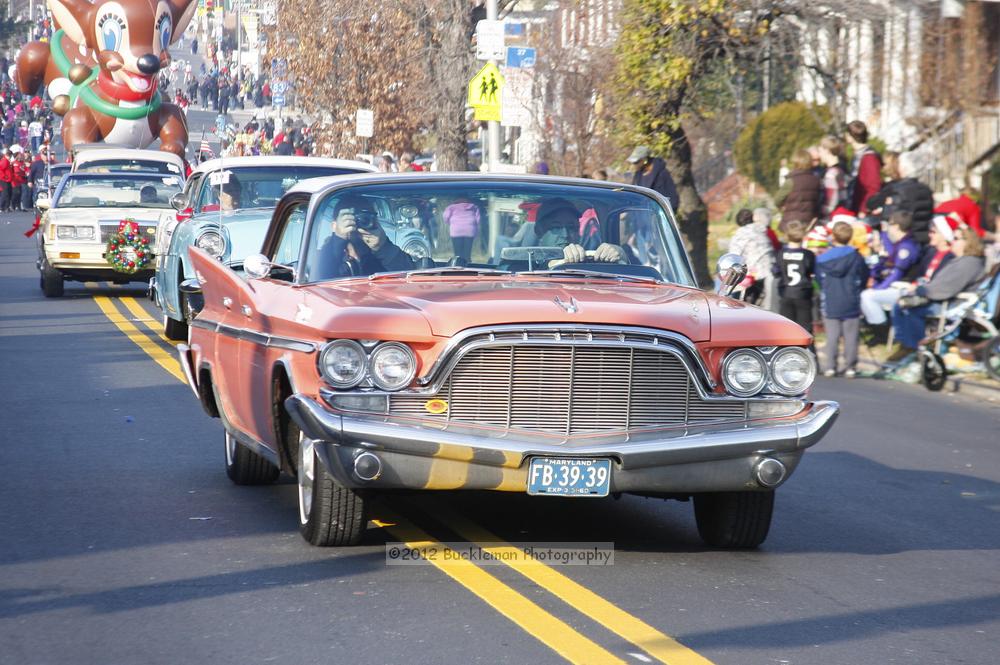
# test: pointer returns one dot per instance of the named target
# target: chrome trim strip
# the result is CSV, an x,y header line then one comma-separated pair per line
x,y
184,357
255,337
688,346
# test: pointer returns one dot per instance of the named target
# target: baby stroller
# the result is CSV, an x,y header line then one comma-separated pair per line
x,y
971,317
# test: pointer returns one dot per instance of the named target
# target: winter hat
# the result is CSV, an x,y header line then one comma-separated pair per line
x,y
946,225
640,153
843,215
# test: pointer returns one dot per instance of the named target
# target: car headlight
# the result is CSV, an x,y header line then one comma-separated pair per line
x,y
793,370
85,232
392,366
416,249
744,372
212,242
66,232
342,363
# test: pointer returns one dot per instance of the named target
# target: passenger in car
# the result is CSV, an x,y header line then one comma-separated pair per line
x,y
359,246
558,225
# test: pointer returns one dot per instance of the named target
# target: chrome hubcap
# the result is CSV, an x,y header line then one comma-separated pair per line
x,y
307,473
230,449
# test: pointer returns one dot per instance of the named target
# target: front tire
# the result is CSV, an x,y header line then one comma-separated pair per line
x,y
734,519
51,281
329,513
933,372
245,467
991,358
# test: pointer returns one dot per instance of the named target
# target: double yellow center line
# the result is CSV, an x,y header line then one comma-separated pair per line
x,y
553,632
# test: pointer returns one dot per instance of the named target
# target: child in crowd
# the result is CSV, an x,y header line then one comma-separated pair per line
x,y
842,273
795,269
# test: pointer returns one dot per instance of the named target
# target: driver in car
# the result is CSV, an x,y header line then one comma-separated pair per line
x,y
359,245
557,224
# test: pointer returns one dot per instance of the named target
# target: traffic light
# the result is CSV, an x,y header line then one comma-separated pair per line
x,y
209,6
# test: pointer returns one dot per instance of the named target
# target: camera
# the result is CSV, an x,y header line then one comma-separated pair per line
x,y
366,220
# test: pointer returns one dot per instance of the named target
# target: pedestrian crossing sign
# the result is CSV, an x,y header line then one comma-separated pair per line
x,y
485,90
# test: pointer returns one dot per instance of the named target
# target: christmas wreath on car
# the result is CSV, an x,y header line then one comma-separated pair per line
x,y
127,250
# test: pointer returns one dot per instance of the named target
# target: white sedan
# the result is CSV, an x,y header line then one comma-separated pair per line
x,y
86,211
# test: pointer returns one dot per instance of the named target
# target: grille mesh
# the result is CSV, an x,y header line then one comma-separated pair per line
x,y
566,389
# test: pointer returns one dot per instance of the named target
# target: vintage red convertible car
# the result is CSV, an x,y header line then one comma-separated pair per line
x,y
572,355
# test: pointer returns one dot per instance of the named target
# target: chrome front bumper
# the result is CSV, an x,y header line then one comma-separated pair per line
x,y
676,461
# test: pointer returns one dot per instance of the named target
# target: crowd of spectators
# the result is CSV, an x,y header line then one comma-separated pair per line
x,y
26,127
867,238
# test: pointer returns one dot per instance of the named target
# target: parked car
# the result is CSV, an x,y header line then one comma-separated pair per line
x,y
232,234
85,212
585,364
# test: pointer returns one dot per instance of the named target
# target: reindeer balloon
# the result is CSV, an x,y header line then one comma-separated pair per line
x,y
101,70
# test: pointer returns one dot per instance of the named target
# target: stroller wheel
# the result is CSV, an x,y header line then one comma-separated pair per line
x,y
933,371
991,358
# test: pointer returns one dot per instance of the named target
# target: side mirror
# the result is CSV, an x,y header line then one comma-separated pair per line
x,y
256,266
178,201
43,202
731,269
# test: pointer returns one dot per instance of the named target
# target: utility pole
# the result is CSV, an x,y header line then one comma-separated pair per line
x,y
493,129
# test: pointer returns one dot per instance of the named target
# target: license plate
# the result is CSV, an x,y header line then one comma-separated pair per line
x,y
569,477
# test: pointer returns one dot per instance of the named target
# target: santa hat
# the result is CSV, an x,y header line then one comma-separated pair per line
x,y
946,225
843,215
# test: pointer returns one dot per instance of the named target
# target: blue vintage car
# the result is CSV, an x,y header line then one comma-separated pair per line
x,y
231,235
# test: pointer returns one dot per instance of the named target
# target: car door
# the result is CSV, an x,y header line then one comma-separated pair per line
x,y
222,329
275,303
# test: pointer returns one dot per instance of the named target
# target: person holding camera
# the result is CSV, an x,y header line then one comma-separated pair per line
x,y
359,246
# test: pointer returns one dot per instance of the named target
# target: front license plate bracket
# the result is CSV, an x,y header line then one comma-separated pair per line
x,y
569,476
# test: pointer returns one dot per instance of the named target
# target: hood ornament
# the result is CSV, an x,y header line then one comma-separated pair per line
x,y
571,307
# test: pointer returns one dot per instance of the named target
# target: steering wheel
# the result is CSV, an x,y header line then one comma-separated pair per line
x,y
555,263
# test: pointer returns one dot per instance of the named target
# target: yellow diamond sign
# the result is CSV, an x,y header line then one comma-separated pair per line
x,y
484,92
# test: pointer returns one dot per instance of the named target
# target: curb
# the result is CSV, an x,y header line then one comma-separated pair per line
x,y
956,385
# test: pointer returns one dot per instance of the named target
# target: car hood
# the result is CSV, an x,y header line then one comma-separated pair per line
x,y
450,305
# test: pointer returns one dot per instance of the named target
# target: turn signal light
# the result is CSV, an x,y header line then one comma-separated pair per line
x,y
69,255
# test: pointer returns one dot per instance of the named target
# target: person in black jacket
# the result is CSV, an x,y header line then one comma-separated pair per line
x,y
358,245
795,268
652,172
902,192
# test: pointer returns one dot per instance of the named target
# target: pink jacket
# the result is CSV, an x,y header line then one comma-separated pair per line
x,y
462,220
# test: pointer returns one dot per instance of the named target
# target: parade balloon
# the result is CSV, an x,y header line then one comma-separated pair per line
x,y
59,86
115,99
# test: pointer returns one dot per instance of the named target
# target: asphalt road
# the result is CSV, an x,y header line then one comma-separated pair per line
x,y
122,540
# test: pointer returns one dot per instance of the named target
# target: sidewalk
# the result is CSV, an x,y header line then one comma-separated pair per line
x,y
984,389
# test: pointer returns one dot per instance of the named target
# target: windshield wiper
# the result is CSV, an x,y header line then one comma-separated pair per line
x,y
580,272
443,270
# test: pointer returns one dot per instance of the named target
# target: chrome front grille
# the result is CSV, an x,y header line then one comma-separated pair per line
x,y
109,228
570,389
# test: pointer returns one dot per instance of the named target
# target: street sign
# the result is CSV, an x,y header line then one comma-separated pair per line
x,y
520,56
485,90
516,100
279,68
278,101
489,40
220,125
279,87
364,123
269,13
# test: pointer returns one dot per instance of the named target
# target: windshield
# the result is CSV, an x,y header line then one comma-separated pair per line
x,y
112,192
256,186
128,166
488,226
